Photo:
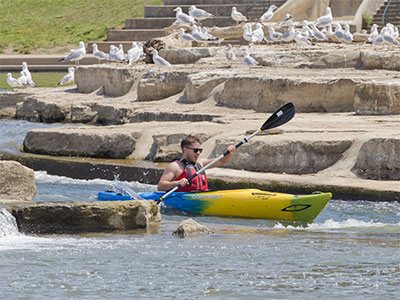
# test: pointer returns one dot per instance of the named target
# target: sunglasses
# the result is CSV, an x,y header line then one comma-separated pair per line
x,y
195,150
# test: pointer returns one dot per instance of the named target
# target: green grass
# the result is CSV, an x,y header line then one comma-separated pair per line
x,y
42,79
28,25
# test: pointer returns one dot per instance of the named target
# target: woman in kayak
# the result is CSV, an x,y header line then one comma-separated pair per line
x,y
178,172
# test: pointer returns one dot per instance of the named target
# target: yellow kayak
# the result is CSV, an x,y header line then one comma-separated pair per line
x,y
244,203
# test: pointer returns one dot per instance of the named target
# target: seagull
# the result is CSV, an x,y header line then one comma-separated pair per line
x,y
237,16
268,14
12,81
133,54
289,35
379,39
339,32
326,19
158,60
116,54
75,55
199,14
275,36
257,35
69,77
183,18
247,32
210,37
318,34
301,39
374,34
100,55
249,61
197,35
229,54
388,38
186,37
305,30
28,75
287,17
347,36
22,79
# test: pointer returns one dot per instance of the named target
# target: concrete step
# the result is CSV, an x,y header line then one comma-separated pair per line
x,y
205,2
134,34
167,11
161,23
12,63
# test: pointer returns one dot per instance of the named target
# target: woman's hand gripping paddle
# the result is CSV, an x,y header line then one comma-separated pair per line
x,y
280,117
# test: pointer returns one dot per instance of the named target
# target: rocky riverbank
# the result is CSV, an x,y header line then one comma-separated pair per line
x,y
344,136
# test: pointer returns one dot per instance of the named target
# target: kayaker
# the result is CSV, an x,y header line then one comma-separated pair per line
x,y
178,171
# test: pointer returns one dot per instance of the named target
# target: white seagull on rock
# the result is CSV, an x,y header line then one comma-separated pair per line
x,y
374,34
237,16
183,36
100,55
268,14
249,61
326,19
183,18
70,77
158,60
76,55
229,54
199,14
133,54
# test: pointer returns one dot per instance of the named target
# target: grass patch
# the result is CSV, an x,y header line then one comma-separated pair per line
x,y
42,79
28,25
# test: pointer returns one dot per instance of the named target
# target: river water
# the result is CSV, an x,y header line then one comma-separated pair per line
x,y
352,250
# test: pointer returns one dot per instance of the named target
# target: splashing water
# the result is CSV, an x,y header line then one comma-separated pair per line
x,y
8,224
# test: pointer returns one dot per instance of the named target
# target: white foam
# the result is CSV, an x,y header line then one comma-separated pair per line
x,y
345,224
8,224
43,177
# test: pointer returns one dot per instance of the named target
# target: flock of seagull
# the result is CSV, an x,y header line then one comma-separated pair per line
x,y
318,30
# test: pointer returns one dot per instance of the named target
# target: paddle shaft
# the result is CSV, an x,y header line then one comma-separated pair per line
x,y
245,140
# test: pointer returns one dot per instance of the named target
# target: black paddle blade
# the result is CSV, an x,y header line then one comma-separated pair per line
x,y
280,117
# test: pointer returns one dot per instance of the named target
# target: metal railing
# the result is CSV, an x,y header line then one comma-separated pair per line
x,y
386,16
246,10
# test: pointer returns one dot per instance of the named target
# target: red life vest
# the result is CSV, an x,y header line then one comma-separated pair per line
x,y
198,183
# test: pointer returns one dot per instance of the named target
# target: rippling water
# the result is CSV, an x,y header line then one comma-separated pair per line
x,y
352,250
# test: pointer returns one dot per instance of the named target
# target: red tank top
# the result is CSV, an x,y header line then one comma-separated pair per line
x,y
198,183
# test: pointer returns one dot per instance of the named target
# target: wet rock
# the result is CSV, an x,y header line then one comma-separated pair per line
x,y
198,86
82,114
17,183
187,55
377,98
284,156
379,159
112,114
80,141
160,85
8,103
79,217
165,148
190,227
36,110
114,80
